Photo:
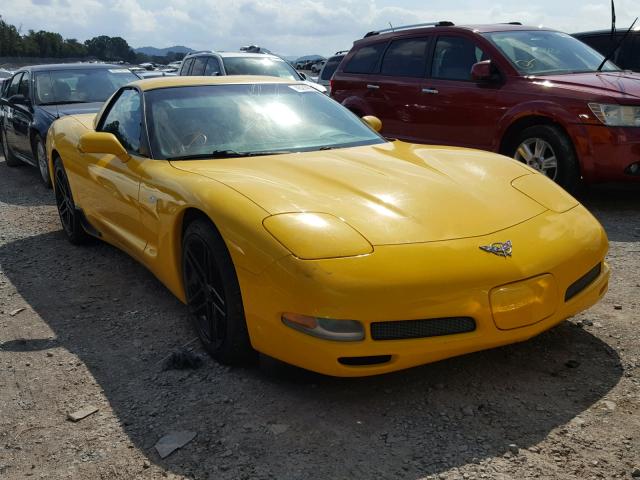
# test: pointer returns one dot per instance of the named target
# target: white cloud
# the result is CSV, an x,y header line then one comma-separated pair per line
x,y
290,27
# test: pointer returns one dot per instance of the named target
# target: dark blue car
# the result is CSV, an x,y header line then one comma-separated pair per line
x,y
35,96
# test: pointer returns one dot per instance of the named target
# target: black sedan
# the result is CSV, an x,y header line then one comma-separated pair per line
x,y
35,96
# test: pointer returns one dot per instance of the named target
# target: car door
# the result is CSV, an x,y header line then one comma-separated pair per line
x,y
456,110
22,118
8,123
108,186
400,80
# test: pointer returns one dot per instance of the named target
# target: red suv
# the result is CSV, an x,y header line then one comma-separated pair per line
x,y
537,95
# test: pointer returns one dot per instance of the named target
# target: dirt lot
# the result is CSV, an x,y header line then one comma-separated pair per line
x,y
95,328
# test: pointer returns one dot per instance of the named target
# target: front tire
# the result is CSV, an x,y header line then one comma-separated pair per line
x,y
547,148
213,295
40,155
69,215
10,159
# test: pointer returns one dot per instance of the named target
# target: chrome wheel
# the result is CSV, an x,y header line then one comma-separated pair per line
x,y
538,154
43,164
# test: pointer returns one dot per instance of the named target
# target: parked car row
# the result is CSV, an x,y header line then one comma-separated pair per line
x,y
535,94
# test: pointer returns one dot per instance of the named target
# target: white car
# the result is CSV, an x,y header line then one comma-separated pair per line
x,y
242,63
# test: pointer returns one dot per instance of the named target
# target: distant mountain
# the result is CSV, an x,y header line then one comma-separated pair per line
x,y
309,57
162,52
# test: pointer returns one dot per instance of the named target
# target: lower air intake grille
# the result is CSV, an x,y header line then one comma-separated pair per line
x,y
583,282
403,329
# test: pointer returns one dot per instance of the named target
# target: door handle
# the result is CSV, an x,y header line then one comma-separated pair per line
x,y
373,87
431,91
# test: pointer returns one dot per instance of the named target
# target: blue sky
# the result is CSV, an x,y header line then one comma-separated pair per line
x,y
290,27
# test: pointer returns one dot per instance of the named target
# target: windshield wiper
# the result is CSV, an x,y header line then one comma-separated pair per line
x,y
614,50
64,102
229,154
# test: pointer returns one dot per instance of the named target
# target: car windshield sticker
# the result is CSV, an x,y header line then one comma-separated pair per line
x,y
302,88
119,70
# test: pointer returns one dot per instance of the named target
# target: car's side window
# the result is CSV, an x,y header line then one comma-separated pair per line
x,y
366,59
23,88
454,57
198,66
406,58
213,67
186,66
124,120
13,87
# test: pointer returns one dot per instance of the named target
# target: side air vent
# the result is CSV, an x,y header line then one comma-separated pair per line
x,y
583,282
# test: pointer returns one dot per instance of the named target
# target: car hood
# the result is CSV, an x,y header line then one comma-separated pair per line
x,y
616,84
71,108
392,193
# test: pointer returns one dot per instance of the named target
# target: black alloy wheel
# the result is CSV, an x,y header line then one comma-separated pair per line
x,y
213,295
69,216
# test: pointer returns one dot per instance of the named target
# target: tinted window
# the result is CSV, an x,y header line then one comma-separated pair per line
x,y
601,43
213,67
186,66
13,87
628,55
23,89
198,66
406,58
330,67
365,59
124,120
454,57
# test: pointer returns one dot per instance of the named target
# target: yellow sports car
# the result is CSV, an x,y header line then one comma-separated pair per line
x,y
290,227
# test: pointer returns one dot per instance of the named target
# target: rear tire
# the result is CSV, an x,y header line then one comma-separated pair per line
x,y
547,148
40,156
69,215
10,159
213,295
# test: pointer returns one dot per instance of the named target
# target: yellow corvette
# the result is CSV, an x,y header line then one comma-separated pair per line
x,y
291,227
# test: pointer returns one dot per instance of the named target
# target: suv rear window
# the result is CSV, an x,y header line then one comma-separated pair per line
x,y
330,67
365,59
406,58
186,66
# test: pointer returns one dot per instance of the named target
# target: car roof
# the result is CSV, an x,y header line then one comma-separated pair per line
x,y
69,66
191,81
224,54
479,28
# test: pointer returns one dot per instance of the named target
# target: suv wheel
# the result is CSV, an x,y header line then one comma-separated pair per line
x,y
547,149
40,154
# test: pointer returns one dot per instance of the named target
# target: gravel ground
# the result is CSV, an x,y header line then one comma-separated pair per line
x,y
87,326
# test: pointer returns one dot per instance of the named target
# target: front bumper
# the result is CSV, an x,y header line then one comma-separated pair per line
x,y
424,281
607,153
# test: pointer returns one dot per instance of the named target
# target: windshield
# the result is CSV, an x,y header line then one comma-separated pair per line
x,y
269,66
546,53
239,120
79,85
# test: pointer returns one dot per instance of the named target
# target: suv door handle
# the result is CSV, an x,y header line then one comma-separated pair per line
x,y
373,87
432,91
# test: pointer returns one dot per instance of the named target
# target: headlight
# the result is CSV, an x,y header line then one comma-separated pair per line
x,y
616,115
327,328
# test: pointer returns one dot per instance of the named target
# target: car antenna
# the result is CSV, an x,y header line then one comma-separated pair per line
x,y
613,18
610,54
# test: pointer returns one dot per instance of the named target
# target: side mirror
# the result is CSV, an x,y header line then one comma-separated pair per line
x,y
19,99
302,75
103,142
374,122
482,72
